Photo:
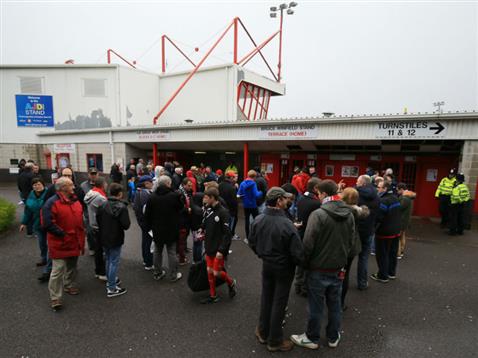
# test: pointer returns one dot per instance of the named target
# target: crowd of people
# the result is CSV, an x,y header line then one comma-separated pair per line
x,y
308,231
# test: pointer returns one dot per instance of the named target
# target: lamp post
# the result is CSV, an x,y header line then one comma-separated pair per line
x,y
274,10
439,105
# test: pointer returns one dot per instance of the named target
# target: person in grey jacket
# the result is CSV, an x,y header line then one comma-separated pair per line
x,y
95,198
276,241
145,188
328,241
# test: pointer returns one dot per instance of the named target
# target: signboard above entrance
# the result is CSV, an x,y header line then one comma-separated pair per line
x,y
409,130
293,131
148,136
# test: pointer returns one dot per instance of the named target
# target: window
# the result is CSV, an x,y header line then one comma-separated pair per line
x,y
94,161
93,87
31,85
329,170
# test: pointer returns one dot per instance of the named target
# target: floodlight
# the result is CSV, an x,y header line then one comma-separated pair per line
x,y
273,14
283,6
273,8
293,4
290,11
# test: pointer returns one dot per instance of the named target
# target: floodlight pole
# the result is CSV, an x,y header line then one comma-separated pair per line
x,y
279,65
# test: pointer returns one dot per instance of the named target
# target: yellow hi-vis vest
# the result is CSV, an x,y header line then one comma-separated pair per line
x,y
460,194
446,186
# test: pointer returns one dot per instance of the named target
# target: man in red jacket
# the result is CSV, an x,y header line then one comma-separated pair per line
x,y
62,218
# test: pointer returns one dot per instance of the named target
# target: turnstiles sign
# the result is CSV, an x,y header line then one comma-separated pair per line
x,y
409,130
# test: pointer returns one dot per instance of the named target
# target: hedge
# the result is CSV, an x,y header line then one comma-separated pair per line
x,y
7,214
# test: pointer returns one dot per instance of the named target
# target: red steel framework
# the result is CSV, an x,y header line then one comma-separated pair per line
x,y
243,61
108,58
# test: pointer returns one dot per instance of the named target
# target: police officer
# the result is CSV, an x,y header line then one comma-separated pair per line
x,y
443,192
459,198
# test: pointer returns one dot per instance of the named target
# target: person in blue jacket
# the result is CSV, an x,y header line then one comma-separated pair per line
x,y
249,193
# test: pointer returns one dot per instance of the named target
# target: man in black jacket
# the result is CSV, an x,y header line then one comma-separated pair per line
x,y
113,220
306,205
276,241
217,241
387,234
367,196
228,191
162,213
145,186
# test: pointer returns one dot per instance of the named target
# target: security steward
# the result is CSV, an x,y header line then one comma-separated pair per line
x,y
459,198
443,193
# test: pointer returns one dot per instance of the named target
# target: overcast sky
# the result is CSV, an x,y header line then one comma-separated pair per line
x,y
345,57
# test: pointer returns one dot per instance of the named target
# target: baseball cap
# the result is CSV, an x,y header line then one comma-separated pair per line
x,y
93,170
275,192
144,179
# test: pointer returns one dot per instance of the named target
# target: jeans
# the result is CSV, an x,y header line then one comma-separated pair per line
x,y
90,237
247,213
172,258
324,286
42,244
233,223
112,262
386,255
146,241
62,275
276,283
362,264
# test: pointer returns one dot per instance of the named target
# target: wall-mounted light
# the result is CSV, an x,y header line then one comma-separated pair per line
x,y
189,120
199,152
232,153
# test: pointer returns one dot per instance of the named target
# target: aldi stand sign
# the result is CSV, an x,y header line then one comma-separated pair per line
x,y
34,111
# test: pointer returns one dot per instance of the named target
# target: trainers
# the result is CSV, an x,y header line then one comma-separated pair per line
x,y
178,276
236,237
232,289
116,292
148,268
182,263
210,299
259,337
378,279
159,276
285,346
392,277
92,252
334,344
303,341
399,257
246,241
372,253
56,305
101,277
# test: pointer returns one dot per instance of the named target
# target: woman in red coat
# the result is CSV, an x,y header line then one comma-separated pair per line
x,y
62,218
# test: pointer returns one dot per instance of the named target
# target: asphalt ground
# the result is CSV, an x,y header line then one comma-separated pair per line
x,y
430,310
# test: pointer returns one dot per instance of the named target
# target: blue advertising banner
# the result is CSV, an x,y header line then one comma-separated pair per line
x,y
34,111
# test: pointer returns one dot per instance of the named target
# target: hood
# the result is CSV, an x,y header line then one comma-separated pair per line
x,y
189,174
248,183
116,205
90,196
337,210
162,190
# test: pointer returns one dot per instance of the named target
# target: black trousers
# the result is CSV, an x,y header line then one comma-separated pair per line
x,y
100,268
444,209
457,218
247,214
386,251
345,282
276,283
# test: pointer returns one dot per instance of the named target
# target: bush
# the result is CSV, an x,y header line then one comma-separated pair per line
x,y
7,214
